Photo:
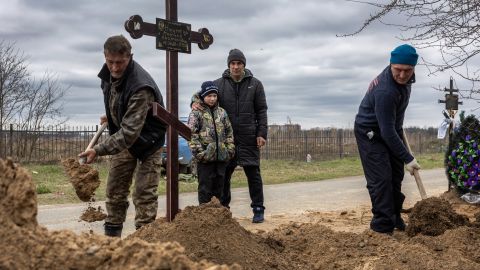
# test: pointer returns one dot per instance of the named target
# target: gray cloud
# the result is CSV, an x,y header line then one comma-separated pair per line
x,y
309,74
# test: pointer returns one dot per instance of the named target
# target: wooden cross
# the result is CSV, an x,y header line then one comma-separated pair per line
x,y
174,37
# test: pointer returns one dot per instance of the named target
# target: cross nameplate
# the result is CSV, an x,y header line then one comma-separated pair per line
x,y
168,32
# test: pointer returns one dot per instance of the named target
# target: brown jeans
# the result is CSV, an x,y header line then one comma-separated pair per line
x,y
120,177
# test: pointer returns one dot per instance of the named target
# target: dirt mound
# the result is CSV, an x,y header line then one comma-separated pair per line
x,y
92,214
209,232
83,177
318,247
26,245
433,216
18,200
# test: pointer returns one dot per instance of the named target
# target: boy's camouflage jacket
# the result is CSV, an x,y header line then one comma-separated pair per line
x,y
212,134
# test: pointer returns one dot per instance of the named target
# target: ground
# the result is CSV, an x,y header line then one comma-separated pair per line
x,y
443,233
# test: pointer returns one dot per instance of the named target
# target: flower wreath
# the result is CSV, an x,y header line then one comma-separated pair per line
x,y
463,156
464,164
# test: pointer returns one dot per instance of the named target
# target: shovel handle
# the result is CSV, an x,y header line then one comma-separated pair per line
x,y
416,175
97,135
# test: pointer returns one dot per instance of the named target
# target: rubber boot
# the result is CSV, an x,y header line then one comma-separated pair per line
x,y
113,230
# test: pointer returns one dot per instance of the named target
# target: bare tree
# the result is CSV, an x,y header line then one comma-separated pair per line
x,y
13,74
452,26
25,100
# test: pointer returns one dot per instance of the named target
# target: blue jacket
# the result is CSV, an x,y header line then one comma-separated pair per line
x,y
383,110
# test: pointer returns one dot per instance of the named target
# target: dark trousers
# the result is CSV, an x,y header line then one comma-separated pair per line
x,y
384,173
210,180
255,184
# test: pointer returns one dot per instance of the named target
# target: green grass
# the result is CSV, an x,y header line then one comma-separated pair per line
x,y
53,186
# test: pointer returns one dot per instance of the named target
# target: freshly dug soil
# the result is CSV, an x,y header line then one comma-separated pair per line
x,y
202,237
92,214
433,216
83,177
26,245
209,232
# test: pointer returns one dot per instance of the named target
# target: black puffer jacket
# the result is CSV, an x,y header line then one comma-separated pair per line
x,y
246,106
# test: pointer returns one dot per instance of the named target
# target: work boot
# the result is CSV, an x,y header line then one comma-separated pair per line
x,y
258,214
113,230
400,224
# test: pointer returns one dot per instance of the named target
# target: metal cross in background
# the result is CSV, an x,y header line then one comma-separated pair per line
x,y
451,106
174,37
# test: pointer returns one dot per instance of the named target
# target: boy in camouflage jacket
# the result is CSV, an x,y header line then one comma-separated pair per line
x,y
211,144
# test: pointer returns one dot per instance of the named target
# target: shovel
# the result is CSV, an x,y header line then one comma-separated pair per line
x,y
418,180
94,140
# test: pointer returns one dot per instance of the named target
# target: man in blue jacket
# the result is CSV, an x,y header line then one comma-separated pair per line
x,y
378,131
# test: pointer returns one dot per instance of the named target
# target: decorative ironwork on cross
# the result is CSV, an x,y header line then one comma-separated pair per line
x,y
169,32
173,37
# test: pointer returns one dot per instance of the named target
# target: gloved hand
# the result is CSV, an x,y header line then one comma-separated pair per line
x,y
412,165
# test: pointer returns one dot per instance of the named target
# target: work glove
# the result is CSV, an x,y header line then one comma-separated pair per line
x,y
412,165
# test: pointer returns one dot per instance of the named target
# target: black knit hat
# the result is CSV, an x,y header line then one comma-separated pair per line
x,y
236,55
208,87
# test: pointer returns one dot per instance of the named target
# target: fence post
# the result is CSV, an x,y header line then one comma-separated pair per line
x,y
11,140
266,148
305,137
340,142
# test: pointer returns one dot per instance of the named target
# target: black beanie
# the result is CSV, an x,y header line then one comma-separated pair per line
x,y
208,87
236,55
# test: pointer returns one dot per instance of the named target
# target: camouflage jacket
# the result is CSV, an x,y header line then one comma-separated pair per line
x,y
127,106
212,135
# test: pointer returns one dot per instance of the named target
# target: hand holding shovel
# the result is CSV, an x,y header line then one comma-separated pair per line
x,y
89,154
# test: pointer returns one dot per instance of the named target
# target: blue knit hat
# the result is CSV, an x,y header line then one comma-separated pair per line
x,y
404,54
208,87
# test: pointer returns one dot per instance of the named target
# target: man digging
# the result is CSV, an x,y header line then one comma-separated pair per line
x,y
135,140
378,131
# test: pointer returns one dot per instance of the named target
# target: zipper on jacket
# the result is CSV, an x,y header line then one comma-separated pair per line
x,y
237,101
215,129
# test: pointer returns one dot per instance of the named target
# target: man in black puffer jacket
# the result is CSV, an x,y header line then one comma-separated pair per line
x,y
243,97
135,136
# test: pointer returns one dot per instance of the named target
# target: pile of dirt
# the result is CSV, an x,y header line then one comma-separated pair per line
x,y
208,232
26,245
433,216
92,214
18,199
83,177
201,236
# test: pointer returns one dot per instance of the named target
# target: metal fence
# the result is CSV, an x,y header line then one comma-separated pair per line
x,y
51,144
331,143
47,144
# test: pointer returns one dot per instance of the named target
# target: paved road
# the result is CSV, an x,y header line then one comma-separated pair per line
x,y
292,198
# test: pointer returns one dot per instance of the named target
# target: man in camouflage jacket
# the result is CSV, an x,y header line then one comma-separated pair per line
x,y
135,138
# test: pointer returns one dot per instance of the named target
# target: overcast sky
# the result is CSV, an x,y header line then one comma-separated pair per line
x,y
310,76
